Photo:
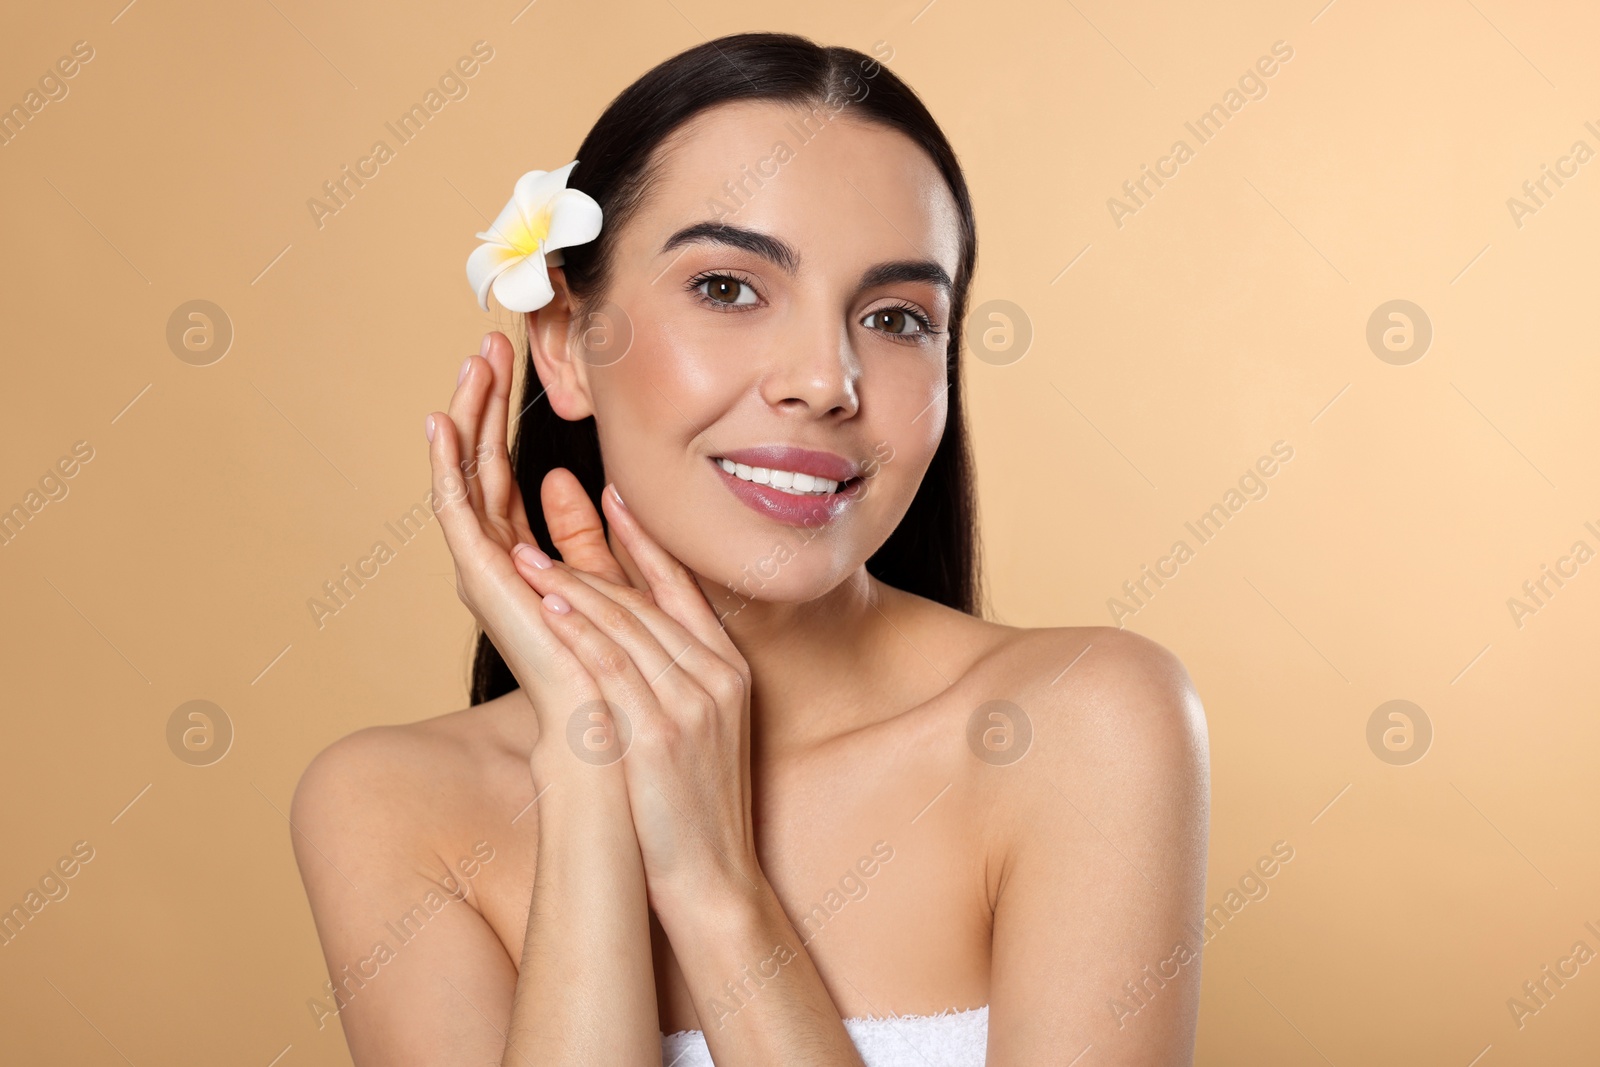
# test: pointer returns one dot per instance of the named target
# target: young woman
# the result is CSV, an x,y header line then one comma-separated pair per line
x,y
745,772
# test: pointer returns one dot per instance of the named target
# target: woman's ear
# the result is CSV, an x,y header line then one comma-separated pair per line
x,y
565,380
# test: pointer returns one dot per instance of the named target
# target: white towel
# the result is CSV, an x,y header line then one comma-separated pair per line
x,y
949,1039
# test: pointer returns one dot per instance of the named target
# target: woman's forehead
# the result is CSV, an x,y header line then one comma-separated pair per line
x,y
818,180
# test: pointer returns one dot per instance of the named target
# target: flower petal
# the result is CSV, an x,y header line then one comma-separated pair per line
x,y
574,219
537,187
524,285
509,222
488,262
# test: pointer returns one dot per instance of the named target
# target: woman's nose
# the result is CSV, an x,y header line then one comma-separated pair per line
x,y
814,372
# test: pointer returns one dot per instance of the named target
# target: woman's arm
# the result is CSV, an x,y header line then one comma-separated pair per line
x,y
1103,864
663,660
759,996
418,976
585,992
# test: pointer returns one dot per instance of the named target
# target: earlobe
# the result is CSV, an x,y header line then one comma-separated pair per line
x,y
549,332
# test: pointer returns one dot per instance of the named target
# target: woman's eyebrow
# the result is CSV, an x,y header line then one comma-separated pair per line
x,y
779,253
753,241
907,270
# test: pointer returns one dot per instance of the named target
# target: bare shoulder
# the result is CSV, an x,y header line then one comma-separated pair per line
x,y
407,788
1097,719
1092,696
1099,847
390,831
1098,694
1107,709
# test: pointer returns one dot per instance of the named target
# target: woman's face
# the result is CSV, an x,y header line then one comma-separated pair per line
x,y
791,348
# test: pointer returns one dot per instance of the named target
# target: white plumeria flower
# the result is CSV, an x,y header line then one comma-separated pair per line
x,y
542,217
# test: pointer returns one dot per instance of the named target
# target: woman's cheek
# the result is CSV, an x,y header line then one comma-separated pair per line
x,y
690,364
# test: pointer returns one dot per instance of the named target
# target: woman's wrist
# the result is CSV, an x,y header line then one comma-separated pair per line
x,y
719,906
553,762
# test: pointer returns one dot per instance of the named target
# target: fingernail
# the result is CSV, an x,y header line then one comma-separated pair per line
x,y
429,428
618,495
484,351
533,555
556,604
466,365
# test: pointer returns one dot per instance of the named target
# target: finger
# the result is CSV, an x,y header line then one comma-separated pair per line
x,y
563,590
672,585
622,670
569,583
466,412
480,562
451,499
575,527
628,616
519,515
494,458
648,635
723,674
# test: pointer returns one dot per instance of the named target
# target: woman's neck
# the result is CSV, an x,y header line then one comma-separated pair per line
x,y
814,664
819,667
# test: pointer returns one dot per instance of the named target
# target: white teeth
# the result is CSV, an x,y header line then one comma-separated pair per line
x,y
791,482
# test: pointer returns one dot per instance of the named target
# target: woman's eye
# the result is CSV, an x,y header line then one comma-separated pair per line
x,y
896,321
725,289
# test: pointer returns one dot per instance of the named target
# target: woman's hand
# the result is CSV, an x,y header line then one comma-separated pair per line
x,y
681,693
587,937
482,514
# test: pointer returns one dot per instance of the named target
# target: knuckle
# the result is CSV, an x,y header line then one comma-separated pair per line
x,y
453,489
611,662
615,619
698,707
631,600
657,734
728,685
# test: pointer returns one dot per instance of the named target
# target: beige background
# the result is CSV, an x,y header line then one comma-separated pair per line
x,y
1228,313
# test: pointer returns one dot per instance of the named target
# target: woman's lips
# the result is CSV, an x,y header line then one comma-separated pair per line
x,y
790,509
827,465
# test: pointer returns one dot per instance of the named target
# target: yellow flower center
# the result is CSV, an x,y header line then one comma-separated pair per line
x,y
526,238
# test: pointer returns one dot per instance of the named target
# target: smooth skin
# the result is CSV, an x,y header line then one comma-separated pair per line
x,y
807,825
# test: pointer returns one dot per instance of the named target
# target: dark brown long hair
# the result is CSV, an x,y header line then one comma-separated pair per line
x,y
933,552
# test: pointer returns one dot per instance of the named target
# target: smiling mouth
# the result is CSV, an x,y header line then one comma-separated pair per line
x,y
794,483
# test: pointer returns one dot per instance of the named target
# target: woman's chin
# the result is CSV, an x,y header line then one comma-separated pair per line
x,y
784,578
